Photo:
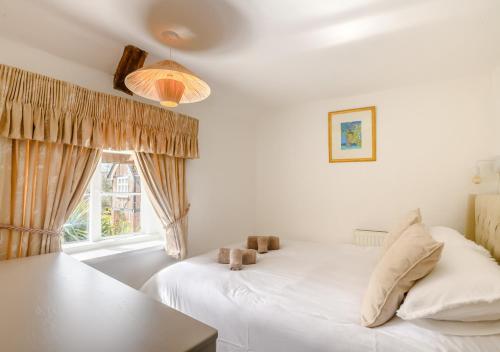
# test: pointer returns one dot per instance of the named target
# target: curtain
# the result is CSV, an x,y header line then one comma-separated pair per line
x,y
41,184
165,179
41,108
51,136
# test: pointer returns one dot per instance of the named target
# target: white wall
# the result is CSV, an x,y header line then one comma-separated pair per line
x,y
495,101
220,184
35,60
429,138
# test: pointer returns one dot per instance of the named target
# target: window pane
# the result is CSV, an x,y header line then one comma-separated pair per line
x,y
77,226
119,174
121,214
106,178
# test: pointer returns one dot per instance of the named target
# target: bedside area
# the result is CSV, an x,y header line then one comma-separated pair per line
x,y
55,303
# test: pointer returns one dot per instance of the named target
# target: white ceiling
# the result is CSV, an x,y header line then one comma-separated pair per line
x,y
273,52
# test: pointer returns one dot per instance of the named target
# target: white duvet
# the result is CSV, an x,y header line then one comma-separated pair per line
x,y
303,297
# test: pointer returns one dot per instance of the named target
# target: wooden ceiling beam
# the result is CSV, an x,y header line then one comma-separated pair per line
x,y
132,59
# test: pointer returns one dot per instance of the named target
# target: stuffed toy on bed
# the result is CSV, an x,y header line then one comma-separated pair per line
x,y
263,243
236,257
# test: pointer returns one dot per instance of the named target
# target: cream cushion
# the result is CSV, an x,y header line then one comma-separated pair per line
x,y
411,218
465,285
412,256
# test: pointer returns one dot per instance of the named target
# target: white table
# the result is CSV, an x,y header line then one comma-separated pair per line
x,y
53,303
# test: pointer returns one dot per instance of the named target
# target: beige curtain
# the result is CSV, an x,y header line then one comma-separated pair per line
x,y
40,185
51,135
41,108
165,180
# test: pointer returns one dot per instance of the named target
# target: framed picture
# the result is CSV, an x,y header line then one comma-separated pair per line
x,y
352,135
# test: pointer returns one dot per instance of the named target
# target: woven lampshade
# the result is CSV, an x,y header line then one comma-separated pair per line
x,y
160,82
169,91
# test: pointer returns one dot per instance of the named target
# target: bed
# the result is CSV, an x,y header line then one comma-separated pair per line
x,y
303,297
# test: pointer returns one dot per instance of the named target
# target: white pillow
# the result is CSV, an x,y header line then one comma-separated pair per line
x,y
464,285
460,328
453,237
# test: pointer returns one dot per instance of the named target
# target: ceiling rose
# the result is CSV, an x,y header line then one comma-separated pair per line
x,y
169,83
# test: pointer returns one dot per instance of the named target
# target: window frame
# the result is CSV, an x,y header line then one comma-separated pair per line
x,y
95,239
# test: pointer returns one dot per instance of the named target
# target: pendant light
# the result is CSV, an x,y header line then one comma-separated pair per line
x,y
167,82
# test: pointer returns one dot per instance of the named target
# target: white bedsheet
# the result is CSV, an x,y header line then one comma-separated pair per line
x,y
303,297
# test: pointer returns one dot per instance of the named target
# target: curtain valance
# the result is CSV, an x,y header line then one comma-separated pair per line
x,y
36,107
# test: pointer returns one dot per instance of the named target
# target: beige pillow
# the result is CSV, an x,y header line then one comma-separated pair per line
x,y
413,217
411,257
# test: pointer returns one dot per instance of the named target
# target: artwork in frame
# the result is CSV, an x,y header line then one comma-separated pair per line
x,y
352,135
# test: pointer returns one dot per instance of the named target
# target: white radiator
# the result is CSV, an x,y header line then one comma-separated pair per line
x,y
369,238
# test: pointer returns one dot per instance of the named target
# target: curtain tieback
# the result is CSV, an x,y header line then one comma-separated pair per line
x,y
28,229
179,219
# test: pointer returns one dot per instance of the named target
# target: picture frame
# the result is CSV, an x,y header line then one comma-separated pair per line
x,y
352,135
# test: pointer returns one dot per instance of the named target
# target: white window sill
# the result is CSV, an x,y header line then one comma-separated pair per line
x,y
90,250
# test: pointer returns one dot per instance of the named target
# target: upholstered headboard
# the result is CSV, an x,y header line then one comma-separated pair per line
x,y
487,221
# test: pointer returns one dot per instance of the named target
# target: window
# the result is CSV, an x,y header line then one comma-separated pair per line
x,y
122,182
112,206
